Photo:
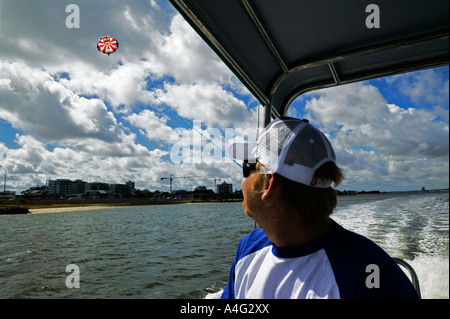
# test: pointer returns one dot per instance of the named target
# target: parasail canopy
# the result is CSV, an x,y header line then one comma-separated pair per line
x,y
107,45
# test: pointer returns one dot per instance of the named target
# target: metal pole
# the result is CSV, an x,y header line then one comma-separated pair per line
x,y
4,184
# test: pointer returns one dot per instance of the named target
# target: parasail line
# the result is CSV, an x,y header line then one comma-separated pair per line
x,y
152,92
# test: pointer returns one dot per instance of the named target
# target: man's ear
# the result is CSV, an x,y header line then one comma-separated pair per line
x,y
271,187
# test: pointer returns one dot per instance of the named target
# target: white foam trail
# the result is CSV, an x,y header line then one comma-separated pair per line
x,y
414,228
214,295
433,273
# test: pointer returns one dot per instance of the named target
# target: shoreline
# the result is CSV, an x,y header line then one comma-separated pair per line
x,y
46,210
25,206
59,206
48,207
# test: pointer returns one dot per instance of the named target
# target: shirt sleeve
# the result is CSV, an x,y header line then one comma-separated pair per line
x,y
363,270
228,291
253,241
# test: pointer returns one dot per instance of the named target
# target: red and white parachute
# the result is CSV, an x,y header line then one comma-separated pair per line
x,y
107,45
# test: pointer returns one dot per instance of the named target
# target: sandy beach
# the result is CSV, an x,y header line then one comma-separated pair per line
x,y
69,209
40,207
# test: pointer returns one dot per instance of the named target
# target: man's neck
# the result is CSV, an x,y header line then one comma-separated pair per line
x,y
286,233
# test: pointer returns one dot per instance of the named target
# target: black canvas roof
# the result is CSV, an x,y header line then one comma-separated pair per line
x,y
280,49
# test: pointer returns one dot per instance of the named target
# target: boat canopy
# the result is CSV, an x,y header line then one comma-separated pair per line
x,y
280,49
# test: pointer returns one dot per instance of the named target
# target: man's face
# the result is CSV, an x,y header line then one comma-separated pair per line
x,y
252,196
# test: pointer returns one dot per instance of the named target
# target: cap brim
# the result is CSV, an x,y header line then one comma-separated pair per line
x,y
242,151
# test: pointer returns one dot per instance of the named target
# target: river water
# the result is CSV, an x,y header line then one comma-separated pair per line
x,y
186,250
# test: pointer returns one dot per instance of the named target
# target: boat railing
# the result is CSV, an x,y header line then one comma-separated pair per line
x,y
410,269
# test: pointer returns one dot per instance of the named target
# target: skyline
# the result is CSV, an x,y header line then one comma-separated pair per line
x,y
68,111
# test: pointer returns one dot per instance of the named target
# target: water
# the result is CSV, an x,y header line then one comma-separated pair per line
x,y
413,227
185,251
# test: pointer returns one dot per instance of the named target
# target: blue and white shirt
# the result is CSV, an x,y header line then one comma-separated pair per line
x,y
339,265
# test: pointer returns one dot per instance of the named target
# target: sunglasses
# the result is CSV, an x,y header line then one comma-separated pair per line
x,y
248,168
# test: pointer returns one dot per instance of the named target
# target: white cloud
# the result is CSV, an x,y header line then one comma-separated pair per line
x,y
68,101
39,105
427,86
184,55
33,163
153,127
376,141
79,114
208,103
5,85
119,86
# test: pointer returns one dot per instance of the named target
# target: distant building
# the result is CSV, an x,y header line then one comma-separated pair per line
x,y
65,187
200,189
224,188
98,190
62,187
96,194
7,195
202,192
131,186
98,187
119,190
35,192
182,194
79,188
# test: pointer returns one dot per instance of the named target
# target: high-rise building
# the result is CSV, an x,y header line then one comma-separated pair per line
x,y
224,188
62,187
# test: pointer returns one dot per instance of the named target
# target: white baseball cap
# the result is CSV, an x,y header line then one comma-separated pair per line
x,y
290,147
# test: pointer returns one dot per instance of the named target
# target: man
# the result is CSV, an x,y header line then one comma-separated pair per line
x,y
299,252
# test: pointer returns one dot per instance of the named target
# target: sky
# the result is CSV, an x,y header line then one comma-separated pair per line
x,y
69,111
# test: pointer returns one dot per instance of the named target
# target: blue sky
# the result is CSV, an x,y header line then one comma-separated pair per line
x,y
68,111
